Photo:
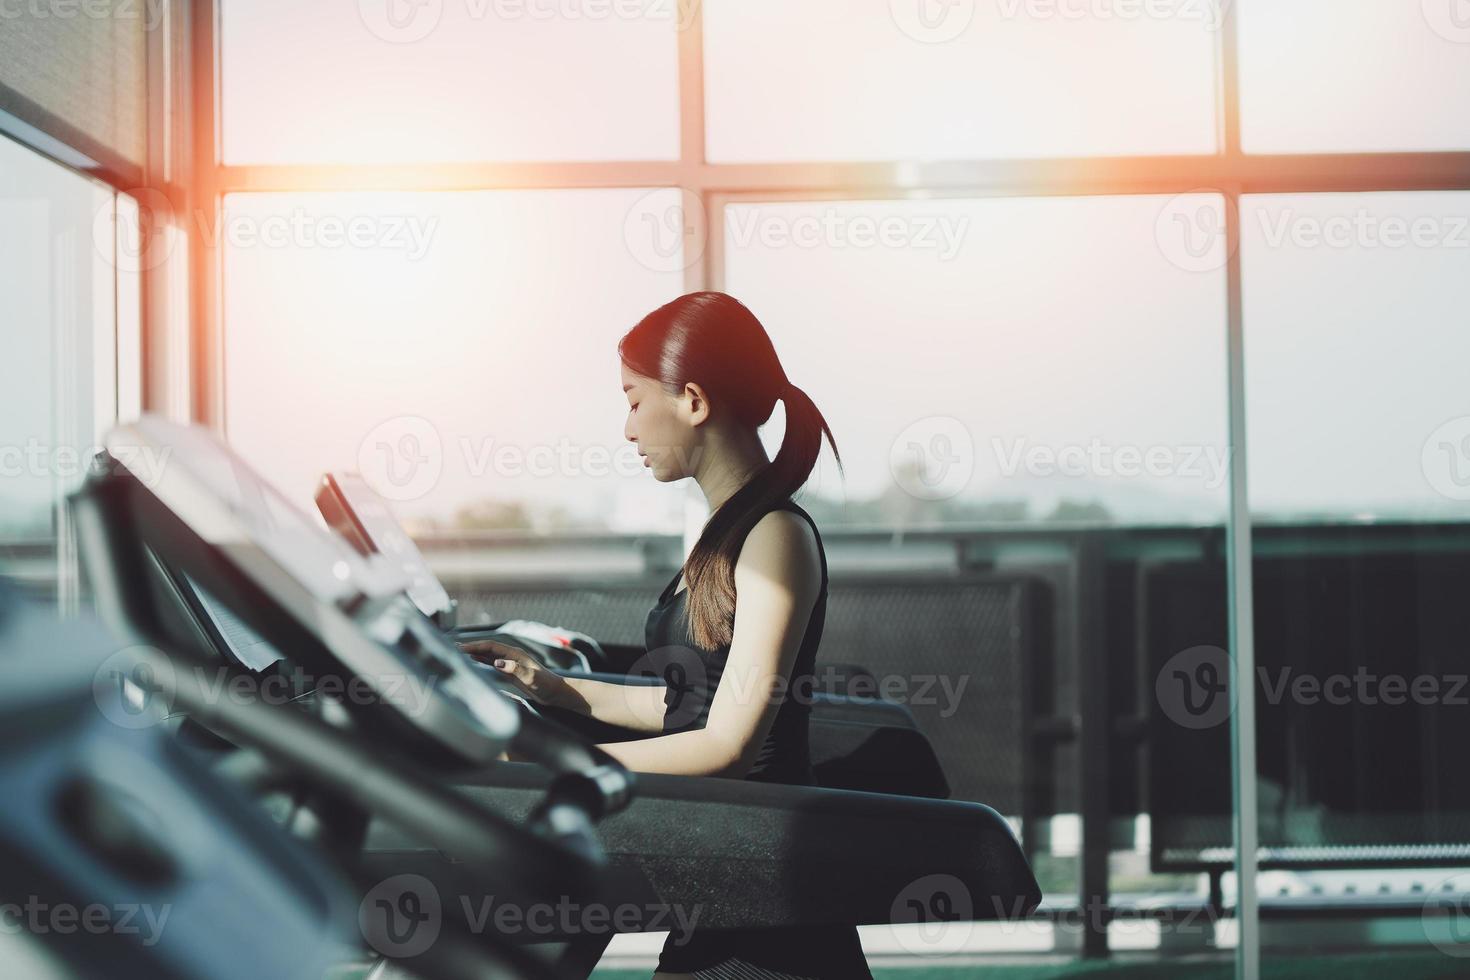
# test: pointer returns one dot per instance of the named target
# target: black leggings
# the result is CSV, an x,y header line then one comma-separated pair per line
x,y
784,953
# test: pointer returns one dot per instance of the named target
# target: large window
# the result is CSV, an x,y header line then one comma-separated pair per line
x,y
1355,306
1307,86
1051,269
386,82
58,381
963,387
837,80
423,342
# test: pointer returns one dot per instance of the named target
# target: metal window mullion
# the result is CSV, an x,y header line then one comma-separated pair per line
x,y
1255,174
206,339
1239,555
691,146
1241,599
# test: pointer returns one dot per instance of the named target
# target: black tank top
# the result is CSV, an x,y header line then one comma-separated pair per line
x,y
692,676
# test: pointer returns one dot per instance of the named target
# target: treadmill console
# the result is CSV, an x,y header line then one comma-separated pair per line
x,y
356,512
182,494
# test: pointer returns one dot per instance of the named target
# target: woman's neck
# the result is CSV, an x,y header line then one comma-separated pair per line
x,y
728,465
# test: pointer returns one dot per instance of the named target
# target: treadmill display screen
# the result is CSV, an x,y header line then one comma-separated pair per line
x,y
362,516
248,647
195,474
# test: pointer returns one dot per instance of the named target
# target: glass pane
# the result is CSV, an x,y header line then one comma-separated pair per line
x,y
129,312
1360,468
384,81
1029,396
1357,352
953,314
56,378
1375,76
457,349
919,80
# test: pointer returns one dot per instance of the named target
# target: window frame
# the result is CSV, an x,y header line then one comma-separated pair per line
x,y
1229,172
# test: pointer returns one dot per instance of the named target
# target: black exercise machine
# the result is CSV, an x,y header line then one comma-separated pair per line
x,y
856,742
741,853
124,855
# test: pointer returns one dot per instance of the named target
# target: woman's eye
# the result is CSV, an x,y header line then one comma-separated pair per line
x,y
633,407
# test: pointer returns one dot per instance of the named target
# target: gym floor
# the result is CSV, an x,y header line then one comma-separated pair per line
x,y
1357,966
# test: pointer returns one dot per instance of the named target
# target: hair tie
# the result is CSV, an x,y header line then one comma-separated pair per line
x,y
787,389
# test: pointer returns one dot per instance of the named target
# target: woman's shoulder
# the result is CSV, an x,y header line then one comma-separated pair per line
x,y
782,545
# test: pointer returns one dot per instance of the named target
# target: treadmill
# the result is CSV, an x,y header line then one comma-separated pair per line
x,y
109,818
745,854
865,743
381,711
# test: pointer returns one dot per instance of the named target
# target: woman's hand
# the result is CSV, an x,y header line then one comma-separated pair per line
x,y
524,671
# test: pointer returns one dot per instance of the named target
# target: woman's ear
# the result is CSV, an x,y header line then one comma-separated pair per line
x,y
696,402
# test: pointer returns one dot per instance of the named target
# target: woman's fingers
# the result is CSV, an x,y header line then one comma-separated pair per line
x,y
488,650
517,665
523,669
516,669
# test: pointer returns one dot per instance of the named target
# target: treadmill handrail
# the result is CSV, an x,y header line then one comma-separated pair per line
x,y
423,806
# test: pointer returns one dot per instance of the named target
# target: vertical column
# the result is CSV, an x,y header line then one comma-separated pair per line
x,y
1238,532
1095,739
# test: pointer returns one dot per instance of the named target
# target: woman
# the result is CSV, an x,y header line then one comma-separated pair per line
x,y
701,377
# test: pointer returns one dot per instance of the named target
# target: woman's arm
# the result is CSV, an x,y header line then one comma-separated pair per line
x,y
777,580
639,707
636,706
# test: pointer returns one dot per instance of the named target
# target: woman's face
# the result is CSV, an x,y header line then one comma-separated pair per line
x,y
661,425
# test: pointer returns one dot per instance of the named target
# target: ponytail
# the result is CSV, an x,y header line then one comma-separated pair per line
x,y
714,339
710,568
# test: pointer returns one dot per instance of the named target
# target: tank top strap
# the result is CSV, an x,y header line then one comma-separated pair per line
x,y
821,548
668,591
